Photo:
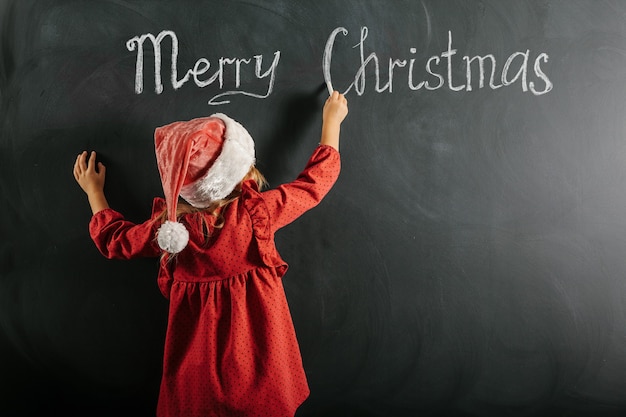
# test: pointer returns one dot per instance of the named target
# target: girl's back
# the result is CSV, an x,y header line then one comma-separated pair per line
x,y
230,347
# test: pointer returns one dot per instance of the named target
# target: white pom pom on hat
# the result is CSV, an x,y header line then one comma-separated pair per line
x,y
172,236
202,160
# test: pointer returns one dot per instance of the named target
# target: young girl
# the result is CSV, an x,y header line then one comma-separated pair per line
x,y
230,347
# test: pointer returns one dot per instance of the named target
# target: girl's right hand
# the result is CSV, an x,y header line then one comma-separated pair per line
x,y
335,109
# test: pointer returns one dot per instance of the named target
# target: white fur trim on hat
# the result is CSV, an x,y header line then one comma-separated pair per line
x,y
172,236
230,167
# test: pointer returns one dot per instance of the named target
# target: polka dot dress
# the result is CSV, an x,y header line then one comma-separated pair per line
x,y
230,347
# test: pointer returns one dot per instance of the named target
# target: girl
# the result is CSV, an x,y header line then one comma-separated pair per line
x,y
230,347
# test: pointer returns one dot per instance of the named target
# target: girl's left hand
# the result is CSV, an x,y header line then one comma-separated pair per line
x,y
85,173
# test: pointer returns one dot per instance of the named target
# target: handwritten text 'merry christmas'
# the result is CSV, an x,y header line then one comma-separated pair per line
x,y
437,70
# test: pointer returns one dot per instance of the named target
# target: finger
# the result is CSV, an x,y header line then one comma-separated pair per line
x,y
83,161
78,169
91,165
77,165
101,169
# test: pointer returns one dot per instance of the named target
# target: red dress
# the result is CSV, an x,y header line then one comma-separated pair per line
x,y
230,346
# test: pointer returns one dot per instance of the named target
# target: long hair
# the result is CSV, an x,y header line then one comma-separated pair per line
x,y
215,209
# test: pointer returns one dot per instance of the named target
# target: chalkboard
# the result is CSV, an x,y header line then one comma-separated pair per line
x,y
469,262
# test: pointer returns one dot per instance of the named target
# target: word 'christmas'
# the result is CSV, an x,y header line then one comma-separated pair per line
x,y
439,68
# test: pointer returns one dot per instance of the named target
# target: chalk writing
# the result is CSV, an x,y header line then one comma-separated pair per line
x,y
481,71
200,68
439,68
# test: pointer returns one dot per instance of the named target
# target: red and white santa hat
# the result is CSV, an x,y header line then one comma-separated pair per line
x,y
202,160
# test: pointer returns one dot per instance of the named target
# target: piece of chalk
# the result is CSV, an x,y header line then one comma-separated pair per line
x,y
329,86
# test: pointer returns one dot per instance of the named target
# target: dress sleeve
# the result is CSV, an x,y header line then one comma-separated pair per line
x,y
289,201
117,238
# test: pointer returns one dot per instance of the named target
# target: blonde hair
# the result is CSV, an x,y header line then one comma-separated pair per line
x,y
216,208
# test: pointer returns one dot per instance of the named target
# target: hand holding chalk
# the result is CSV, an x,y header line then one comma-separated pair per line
x,y
335,111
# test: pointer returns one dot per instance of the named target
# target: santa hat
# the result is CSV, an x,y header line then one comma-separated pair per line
x,y
202,160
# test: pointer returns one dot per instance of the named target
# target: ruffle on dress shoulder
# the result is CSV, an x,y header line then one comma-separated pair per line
x,y
253,203
259,213
158,206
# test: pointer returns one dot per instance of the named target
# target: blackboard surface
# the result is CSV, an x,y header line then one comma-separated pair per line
x,y
469,262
